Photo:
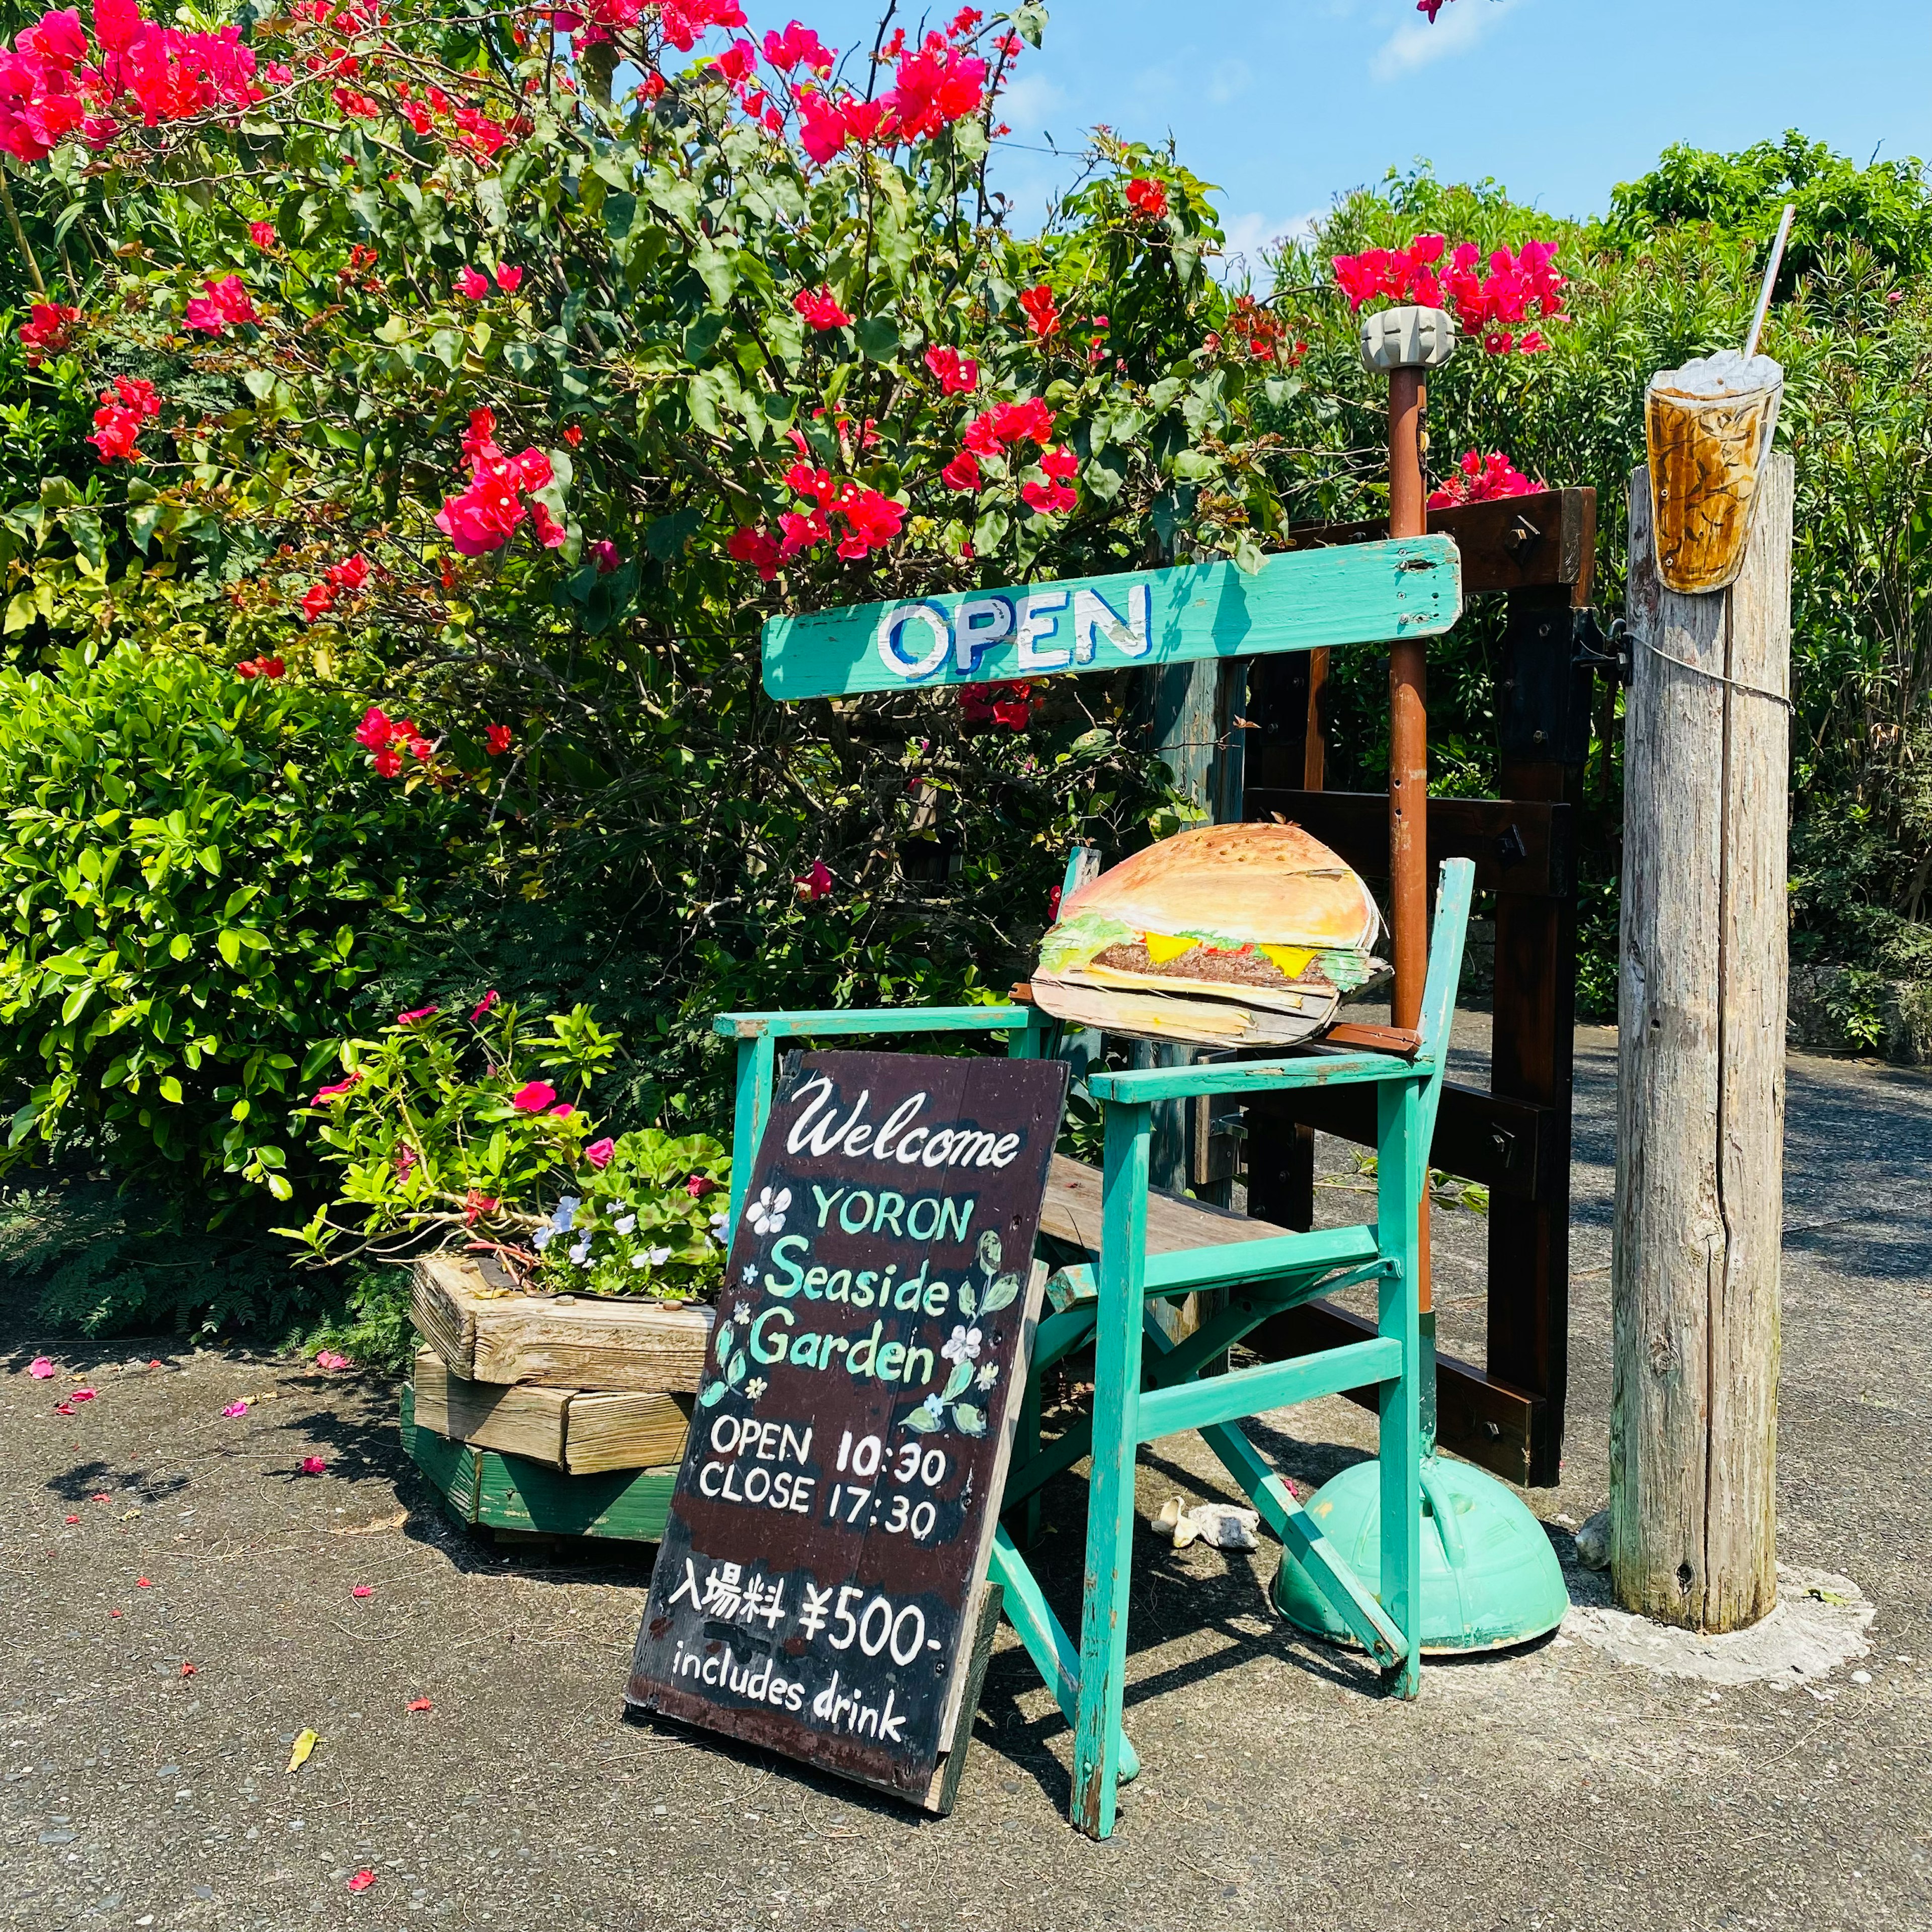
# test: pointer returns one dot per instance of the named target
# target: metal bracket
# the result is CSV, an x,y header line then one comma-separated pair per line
x,y
1596,649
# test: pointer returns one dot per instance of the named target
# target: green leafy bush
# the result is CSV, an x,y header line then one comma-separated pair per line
x,y
197,873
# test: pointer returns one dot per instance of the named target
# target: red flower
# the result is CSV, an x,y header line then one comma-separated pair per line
x,y
1011,705
261,233
318,600
1029,421
509,279
313,1465
376,729
1053,903
573,434
365,1878
551,534
117,423
872,521
1042,316
340,1087
962,473
1481,479
699,1185
815,884
470,283
496,741
388,762
1059,463
533,1098
352,573
605,554
247,668
738,60
958,375
936,86
1147,197
820,309
476,1204
599,1152
416,1013
484,1005
49,326
561,1111
479,450
753,546
225,306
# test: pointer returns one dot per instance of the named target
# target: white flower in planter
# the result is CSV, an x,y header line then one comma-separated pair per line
x,y
580,1254
962,1345
542,1238
657,1257
566,1209
638,1261
718,1219
767,1213
625,1225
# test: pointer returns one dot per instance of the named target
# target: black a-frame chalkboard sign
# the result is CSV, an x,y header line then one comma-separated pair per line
x,y
821,1589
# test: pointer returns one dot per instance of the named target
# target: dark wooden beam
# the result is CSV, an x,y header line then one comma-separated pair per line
x,y
1526,847
1516,541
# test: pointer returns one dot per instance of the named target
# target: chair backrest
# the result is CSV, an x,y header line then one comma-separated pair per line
x,y
1453,894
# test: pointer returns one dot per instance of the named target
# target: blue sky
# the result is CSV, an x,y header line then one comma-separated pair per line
x,y
1284,102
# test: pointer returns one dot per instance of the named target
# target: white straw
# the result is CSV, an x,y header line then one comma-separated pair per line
x,y
1770,276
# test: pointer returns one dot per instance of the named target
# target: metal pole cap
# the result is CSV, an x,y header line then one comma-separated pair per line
x,y
1408,338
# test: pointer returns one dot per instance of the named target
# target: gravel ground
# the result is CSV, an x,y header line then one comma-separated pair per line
x,y
179,1602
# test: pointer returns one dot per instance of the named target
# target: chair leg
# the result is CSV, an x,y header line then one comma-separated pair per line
x,y
1400,1184
1110,1508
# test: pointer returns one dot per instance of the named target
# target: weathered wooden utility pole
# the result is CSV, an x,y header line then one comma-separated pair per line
x,y
1700,1110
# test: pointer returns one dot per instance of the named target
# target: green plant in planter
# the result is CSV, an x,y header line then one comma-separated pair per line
x,y
650,1220
440,1124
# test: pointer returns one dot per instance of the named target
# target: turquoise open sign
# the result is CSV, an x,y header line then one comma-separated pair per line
x,y
1301,600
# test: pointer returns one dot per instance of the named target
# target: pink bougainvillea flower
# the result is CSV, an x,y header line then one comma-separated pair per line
x,y
470,283
335,1093
562,1110
756,547
815,884
142,1583
821,308
327,1358
418,1704
476,1203
490,998
509,278
1478,478
313,1465
534,1097
599,1152
605,555
416,1013
496,742
73,1519
482,518
365,1878
962,473
388,762
1011,705
550,533
376,729
236,1408
958,375
936,86
80,1395
40,1369
188,1670
317,601
798,46
63,1409
226,305
362,1590
261,233
353,573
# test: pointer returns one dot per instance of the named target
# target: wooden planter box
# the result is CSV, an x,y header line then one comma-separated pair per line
x,y
485,1488
565,1342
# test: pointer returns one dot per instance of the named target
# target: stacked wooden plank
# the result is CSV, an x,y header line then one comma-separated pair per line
x,y
561,1414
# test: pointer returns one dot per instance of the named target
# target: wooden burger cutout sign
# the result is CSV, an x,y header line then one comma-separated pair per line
x,y
821,1589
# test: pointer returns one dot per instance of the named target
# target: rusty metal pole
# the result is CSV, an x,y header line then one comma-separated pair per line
x,y
1406,342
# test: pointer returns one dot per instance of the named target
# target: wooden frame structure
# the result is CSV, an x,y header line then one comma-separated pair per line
x,y
1537,551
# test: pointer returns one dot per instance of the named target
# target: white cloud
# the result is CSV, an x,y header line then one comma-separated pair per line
x,y
1462,25
1250,235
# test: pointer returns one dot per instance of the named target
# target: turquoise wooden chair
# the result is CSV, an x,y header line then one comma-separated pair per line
x,y
1147,1387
